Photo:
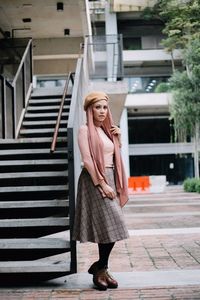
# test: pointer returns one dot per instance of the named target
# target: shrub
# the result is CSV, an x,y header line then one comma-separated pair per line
x,y
198,186
162,87
191,184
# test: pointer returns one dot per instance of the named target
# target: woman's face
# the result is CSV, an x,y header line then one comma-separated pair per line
x,y
100,111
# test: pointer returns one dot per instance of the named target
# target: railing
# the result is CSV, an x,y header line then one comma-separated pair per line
x,y
7,116
14,95
76,119
146,84
105,57
56,130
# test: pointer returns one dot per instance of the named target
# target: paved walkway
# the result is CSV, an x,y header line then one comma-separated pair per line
x,y
160,260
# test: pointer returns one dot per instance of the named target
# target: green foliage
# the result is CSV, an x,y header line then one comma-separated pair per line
x,y
185,87
191,185
198,186
162,87
180,19
182,31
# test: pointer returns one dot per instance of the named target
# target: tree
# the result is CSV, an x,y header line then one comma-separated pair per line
x,y
182,31
185,107
181,22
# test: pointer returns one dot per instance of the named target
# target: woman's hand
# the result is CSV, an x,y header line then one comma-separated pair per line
x,y
115,130
107,190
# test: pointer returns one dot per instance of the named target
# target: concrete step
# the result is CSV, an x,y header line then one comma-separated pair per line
x,y
33,209
32,227
33,178
31,249
43,123
24,189
47,108
31,154
48,102
161,208
33,162
36,222
42,131
25,165
30,143
33,204
24,175
34,192
21,273
48,93
45,116
147,280
30,151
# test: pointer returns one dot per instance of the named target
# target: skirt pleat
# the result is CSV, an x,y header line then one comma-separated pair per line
x,y
97,219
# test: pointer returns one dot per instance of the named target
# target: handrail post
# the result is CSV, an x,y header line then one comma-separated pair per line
x,y
31,62
71,182
55,135
24,85
14,111
3,107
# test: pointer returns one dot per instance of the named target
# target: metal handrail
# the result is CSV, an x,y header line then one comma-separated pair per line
x,y
22,62
55,135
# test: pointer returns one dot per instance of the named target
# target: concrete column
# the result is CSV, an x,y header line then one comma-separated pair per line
x,y
124,140
112,46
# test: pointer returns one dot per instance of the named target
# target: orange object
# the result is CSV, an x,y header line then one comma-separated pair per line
x,y
138,182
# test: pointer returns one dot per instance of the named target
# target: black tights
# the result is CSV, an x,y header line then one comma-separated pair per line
x,y
104,252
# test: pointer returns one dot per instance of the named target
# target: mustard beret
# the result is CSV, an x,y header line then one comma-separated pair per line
x,y
94,97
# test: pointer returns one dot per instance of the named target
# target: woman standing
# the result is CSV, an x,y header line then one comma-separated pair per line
x,y
102,187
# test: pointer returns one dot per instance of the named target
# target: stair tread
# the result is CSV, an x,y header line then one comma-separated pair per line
x,y
46,107
32,204
31,151
42,130
47,114
34,243
33,266
36,222
11,189
31,140
39,101
33,174
51,122
40,92
33,162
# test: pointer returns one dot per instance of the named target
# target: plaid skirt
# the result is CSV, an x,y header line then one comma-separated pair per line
x,y
97,219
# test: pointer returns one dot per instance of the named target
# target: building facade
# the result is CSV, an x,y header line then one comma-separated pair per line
x,y
147,131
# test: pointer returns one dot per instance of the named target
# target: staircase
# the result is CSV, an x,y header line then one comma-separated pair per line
x,y
34,208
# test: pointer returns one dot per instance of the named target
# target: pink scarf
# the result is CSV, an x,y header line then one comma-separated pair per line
x,y
96,149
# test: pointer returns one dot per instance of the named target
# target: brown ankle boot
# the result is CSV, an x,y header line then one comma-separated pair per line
x,y
100,280
111,282
93,268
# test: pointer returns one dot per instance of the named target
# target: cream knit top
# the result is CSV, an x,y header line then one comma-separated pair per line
x,y
85,151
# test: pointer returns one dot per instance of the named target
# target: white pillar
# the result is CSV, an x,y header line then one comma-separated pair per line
x,y
124,140
112,46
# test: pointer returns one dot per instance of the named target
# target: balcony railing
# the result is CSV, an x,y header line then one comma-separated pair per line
x,y
104,56
138,85
14,92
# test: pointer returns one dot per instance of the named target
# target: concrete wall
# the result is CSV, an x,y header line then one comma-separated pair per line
x,y
55,55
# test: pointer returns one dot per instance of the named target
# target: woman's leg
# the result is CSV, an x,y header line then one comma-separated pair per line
x,y
101,277
104,253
